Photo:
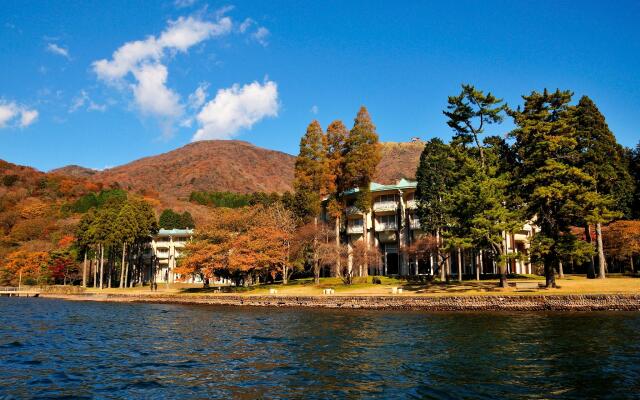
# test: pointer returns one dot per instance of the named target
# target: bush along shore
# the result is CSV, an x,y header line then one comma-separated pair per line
x,y
587,302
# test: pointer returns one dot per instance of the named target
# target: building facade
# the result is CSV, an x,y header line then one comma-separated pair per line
x,y
166,247
392,225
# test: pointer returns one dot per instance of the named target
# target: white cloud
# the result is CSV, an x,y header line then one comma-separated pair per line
x,y
197,98
55,49
143,59
151,92
12,114
27,117
261,35
184,3
314,109
246,24
237,108
83,100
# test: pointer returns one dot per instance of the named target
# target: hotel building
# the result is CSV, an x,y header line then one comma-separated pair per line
x,y
392,225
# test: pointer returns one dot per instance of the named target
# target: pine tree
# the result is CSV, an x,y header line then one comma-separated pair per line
x,y
310,172
634,170
435,176
551,186
361,157
469,112
186,221
602,158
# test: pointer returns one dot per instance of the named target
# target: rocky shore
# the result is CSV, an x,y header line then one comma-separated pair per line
x,y
598,302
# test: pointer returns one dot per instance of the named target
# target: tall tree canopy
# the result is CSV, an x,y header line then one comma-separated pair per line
x,y
552,187
469,112
362,155
310,172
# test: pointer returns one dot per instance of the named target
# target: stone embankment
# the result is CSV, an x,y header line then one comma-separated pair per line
x,y
599,302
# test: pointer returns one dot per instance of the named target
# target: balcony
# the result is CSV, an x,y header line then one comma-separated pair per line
x,y
381,227
354,229
411,204
414,223
353,210
385,206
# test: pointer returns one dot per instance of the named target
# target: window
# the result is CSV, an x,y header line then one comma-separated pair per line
x,y
355,222
389,220
386,198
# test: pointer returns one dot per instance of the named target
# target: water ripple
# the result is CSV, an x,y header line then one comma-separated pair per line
x,y
56,349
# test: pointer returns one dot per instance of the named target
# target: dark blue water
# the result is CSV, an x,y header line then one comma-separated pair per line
x,y
52,348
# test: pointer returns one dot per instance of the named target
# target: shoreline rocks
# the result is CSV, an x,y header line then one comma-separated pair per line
x,y
600,302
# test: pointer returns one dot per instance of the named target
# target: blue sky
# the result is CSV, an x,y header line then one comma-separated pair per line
x,y
261,71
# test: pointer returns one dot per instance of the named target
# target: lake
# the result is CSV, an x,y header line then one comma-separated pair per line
x,y
53,348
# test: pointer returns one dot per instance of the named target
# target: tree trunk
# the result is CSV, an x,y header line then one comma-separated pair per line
x,y
602,265
448,273
549,271
439,260
337,233
95,269
84,270
591,272
560,270
459,265
633,268
124,252
479,265
101,265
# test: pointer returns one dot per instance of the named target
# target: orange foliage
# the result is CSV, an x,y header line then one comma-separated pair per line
x,y
621,239
66,241
29,264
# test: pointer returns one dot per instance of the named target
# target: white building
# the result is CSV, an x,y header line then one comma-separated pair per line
x,y
392,225
166,247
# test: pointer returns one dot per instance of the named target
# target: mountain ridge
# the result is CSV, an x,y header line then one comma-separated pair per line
x,y
229,165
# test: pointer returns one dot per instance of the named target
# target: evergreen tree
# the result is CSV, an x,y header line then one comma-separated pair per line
x,y
602,158
634,169
186,221
436,176
310,172
170,219
469,112
362,154
552,188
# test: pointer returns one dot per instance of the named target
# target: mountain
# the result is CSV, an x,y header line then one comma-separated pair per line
x,y
230,165
75,171
213,165
399,160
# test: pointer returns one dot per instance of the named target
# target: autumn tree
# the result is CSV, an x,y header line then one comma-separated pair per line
x,y
310,172
362,153
622,241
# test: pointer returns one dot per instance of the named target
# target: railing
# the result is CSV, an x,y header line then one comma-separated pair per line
x,y
353,210
414,223
386,227
355,229
411,204
385,206
9,289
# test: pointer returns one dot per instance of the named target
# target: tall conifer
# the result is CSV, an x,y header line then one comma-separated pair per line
x,y
552,187
362,155
310,172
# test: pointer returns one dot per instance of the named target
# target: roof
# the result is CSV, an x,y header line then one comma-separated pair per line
x,y
378,187
175,232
